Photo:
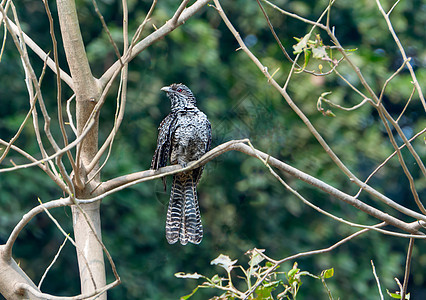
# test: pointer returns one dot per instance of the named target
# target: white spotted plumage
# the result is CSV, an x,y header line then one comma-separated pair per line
x,y
184,136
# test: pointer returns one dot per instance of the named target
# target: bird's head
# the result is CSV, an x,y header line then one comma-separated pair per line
x,y
180,96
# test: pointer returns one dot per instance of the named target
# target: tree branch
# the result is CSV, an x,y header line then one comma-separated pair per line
x,y
26,218
311,128
150,39
37,50
111,186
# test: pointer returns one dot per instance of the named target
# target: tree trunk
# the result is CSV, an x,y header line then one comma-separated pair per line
x,y
89,251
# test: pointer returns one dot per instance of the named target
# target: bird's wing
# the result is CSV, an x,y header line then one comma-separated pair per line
x,y
162,151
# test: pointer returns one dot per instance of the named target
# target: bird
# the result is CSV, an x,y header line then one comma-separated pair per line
x,y
183,136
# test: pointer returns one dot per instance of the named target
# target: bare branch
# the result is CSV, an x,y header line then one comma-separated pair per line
x,y
406,105
69,114
59,102
22,287
402,162
178,12
305,201
377,279
392,77
141,27
53,156
122,182
311,128
27,217
407,268
295,15
401,49
153,37
104,25
387,159
37,50
52,263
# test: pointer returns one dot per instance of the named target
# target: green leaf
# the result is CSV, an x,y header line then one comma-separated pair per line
x,y
216,279
351,50
255,257
187,275
292,272
308,54
393,295
329,113
190,295
265,291
319,52
328,273
224,261
298,48
397,295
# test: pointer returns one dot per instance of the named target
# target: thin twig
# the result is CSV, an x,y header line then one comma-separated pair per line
x,y
70,118
393,6
178,12
401,133
151,38
38,51
53,156
27,217
377,280
356,106
52,263
381,111
59,102
141,27
387,159
406,105
67,236
407,268
295,16
392,77
104,25
401,49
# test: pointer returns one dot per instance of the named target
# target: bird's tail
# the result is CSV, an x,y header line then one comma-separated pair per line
x,y
183,216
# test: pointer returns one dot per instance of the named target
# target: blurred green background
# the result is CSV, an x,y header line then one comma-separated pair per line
x,y
242,205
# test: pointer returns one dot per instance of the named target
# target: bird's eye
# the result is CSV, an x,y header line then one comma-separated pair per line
x,y
179,90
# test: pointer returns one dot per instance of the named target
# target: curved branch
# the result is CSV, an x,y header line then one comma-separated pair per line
x,y
44,56
56,154
27,217
150,39
111,186
23,288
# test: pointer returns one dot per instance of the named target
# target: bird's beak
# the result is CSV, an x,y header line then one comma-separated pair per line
x,y
166,89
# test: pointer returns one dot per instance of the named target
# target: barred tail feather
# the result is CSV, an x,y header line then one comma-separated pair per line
x,y
175,211
183,215
192,229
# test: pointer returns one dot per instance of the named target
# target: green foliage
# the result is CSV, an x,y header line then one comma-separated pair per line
x,y
242,205
259,281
